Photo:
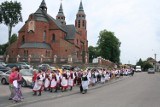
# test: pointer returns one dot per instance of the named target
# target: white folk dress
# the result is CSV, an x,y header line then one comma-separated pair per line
x,y
38,84
85,82
71,80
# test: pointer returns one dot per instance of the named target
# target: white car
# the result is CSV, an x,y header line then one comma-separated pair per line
x,y
151,70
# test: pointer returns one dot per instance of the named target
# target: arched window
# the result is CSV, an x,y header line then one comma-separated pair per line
x,y
23,39
53,38
79,23
44,36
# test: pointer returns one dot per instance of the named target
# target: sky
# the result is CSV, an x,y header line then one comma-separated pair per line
x,y
136,23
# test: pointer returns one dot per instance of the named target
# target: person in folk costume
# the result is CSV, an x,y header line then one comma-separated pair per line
x,y
34,77
107,76
96,74
71,79
47,80
53,82
76,76
79,77
93,77
103,74
59,78
89,76
17,90
64,81
38,84
85,82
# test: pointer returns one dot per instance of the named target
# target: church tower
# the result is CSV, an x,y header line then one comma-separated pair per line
x,y
80,22
81,26
60,16
43,6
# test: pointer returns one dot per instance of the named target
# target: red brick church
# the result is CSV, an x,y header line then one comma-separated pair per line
x,y
44,38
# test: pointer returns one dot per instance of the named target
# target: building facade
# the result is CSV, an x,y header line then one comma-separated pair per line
x,y
45,39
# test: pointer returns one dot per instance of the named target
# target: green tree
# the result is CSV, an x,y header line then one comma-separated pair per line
x,y
93,53
13,38
109,46
11,15
3,47
146,65
140,62
0,15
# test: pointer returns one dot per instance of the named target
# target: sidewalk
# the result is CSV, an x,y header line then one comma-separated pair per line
x,y
29,98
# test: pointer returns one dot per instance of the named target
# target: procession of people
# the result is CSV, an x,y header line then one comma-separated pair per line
x,y
54,80
61,81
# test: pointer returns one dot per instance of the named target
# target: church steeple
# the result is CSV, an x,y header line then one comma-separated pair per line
x,y
60,16
43,6
80,17
81,7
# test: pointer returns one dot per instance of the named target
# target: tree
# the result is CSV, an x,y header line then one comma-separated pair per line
x,y
146,65
109,46
3,47
11,15
93,53
0,15
140,62
13,38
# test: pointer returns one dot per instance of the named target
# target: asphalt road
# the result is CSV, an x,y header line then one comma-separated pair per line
x,y
141,90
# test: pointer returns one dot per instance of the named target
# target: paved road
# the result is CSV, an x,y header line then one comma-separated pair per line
x,y
141,90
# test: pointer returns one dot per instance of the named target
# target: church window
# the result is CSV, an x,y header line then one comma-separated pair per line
x,y
78,23
53,38
23,39
25,53
44,36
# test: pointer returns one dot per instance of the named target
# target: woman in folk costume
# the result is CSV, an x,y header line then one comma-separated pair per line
x,y
71,79
17,84
76,76
107,76
79,77
89,76
93,78
53,82
34,77
38,84
58,77
64,81
85,82
103,75
47,80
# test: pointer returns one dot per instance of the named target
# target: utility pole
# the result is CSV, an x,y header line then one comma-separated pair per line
x,y
155,56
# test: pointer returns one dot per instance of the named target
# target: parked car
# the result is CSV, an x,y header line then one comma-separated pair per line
x,y
151,70
44,67
25,65
2,63
67,67
11,65
26,77
3,68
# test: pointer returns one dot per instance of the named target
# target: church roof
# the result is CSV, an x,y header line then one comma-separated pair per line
x,y
71,31
41,15
40,45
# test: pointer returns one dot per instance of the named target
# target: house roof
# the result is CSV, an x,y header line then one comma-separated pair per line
x,y
40,45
